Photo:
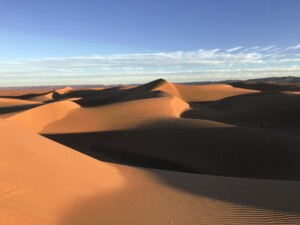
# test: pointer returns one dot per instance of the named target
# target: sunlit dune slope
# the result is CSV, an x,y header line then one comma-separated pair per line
x,y
211,92
40,179
120,116
37,118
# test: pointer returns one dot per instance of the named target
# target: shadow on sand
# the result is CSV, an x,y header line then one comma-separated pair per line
x,y
232,151
232,199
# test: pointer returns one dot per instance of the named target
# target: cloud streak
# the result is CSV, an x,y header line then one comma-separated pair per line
x,y
234,49
179,66
294,47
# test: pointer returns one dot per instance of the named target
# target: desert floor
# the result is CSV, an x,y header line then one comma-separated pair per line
x,y
154,154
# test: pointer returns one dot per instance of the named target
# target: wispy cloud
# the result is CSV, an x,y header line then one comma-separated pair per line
x,y
179,66
234,49
293,47
264,49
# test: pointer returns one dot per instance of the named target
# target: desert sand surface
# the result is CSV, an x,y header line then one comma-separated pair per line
x,y
154,154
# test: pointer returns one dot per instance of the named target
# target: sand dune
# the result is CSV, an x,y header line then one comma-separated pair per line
x,y
126,108
201,146
213,92
10,106
118,116
56,94
46,183
40,178
188,153
37,118
276,111
163,197
43,97
168,88
268,86
139,107
8,102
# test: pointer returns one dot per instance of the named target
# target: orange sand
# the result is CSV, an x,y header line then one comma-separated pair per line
x,y
217,155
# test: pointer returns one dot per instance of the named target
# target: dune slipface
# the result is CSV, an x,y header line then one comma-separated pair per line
x,y
158,153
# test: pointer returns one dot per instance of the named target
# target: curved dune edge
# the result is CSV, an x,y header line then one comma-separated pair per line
x,y
7,115
64,90
69,117
169,88
40,179
210,92
8,102
43,98
37,118
118,116
51,95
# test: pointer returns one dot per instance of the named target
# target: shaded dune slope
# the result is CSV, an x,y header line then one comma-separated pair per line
x,y
265,86
279,111
27,96
11,105
206,147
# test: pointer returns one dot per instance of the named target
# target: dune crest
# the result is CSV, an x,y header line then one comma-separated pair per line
x,y
211,92
169,88
118,116
37,118
63,90
43,98
9,102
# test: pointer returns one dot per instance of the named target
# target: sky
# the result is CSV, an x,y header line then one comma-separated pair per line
x,y
69,42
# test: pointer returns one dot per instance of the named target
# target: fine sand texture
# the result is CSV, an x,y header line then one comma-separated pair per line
x,y
154,154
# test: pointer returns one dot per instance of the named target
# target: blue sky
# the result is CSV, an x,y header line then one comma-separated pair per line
x,y
129,41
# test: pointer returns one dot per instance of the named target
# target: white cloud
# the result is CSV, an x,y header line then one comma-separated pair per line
x,y
293,47
199,65
288,60
267,48
234,49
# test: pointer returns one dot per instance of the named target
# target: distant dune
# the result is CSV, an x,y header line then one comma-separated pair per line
x,y
154,154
